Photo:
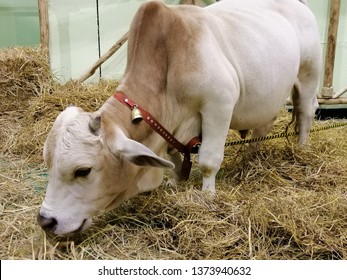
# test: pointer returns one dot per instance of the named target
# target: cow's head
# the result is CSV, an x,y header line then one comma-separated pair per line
x,y
89,172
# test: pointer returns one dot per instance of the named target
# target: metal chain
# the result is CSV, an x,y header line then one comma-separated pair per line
x,y
282,135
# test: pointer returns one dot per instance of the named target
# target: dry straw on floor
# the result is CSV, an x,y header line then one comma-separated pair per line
x,y
24,72
281,203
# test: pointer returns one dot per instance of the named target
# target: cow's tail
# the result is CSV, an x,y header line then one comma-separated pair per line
x,y
304,2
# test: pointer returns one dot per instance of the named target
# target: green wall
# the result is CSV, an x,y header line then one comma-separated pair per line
x,y
73,33
19,23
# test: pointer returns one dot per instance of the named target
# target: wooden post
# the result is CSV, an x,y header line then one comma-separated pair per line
x,y
44,25
328,91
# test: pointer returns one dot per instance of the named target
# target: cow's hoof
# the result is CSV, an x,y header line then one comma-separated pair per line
x,y
170,183
209,193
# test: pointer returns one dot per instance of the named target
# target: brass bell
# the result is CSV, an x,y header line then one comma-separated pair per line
x,y
136,115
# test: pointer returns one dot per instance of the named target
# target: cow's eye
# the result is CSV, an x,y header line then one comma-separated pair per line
x,y
82,172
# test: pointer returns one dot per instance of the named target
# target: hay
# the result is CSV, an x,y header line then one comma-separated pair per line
x,y
24,72
32,99
43,110
280,203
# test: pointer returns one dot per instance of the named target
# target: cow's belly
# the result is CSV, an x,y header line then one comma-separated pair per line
x,y
256,113
264,90
261,99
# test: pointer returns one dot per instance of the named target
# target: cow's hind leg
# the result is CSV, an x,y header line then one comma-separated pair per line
x,y
305,101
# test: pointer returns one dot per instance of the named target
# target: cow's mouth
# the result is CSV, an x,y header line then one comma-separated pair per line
x,y
115,201
84,225
81,227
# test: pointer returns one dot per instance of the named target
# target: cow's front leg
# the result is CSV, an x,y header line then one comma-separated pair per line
x,y
215,125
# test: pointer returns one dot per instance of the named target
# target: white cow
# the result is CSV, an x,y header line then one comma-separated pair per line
x,y
198,71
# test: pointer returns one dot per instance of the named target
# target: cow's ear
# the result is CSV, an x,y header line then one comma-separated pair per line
x,y
140,155
95,124
137,153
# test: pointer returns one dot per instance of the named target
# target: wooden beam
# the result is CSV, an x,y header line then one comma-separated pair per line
x,y
104,57
340,92
44,25
331,101
323,101
328,91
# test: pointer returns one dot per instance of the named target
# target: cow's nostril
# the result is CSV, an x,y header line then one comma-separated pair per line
x,y
46,223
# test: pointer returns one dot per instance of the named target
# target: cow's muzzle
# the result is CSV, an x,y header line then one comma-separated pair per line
x,y
52,225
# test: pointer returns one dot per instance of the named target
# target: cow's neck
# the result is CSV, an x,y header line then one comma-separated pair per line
x,y
146,88
145,77
114,113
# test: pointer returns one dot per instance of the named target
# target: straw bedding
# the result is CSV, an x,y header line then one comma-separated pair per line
x,y
283,202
